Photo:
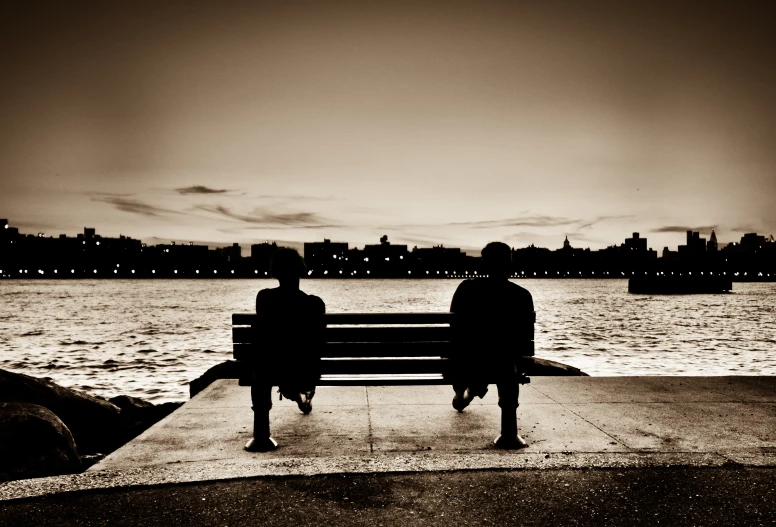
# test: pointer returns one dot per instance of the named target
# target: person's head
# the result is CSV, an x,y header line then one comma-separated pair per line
x,y
286,264
497,260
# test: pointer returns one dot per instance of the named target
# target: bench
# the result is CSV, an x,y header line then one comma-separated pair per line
x,y
373,349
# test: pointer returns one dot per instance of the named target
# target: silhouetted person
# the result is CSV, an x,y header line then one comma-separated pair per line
x,y
492,315
289,337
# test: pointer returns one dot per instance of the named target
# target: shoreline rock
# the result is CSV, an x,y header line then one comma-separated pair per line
x,y
96,426
34,442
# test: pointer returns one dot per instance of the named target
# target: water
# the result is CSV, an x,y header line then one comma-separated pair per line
x,y
150,338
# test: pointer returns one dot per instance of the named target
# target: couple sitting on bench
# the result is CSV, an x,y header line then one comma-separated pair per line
x,y
488,310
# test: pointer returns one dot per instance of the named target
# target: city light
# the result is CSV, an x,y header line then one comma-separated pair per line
x,y
133,271
115,271
153,271
175,271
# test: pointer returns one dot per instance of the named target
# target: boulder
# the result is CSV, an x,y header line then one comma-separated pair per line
x,y
95,423
34,443
543,367
137,415
225,370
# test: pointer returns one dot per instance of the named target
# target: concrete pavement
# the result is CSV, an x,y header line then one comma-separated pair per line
x,y
569,422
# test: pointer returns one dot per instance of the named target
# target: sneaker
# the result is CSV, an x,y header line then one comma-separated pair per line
x,y
304,402
462,400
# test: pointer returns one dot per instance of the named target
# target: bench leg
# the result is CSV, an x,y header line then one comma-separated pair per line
x,y
261,397
507,400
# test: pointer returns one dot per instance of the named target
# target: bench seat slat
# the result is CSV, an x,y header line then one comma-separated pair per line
x,y
249,352
246,335
383,366
382,380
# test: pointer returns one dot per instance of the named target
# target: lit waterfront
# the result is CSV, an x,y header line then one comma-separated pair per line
x,y
150,338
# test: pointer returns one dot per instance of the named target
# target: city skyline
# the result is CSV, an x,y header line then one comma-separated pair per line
x,y
452,123
384,239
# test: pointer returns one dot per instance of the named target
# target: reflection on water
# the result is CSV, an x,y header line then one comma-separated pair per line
x,y
150,338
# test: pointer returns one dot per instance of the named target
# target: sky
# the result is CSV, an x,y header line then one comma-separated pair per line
x,y
455,123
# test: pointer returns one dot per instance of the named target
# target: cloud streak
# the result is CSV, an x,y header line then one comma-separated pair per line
x,y
267,218
529,220
683,228
133,206
199,189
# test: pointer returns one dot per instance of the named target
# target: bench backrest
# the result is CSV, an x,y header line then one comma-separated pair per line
x,y
366,348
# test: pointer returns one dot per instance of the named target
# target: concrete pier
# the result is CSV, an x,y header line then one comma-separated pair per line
x,y
568,422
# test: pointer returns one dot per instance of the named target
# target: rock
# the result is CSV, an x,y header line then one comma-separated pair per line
x,y
544,367
34,443
127,403
96,424
225,370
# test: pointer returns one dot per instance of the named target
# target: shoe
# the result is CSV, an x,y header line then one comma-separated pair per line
x,y
462,400
304,402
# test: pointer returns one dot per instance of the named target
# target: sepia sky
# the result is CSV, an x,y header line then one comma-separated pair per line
x,y
432,122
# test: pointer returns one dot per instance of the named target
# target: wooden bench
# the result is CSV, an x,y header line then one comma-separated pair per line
x,y
374,349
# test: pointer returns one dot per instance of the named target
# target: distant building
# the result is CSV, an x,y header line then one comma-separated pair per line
x,y
385,252
325,256
695,248
712,246
261,256
636,243
231,254
752,242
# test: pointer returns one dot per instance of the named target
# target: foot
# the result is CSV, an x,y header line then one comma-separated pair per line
x,y
266,444
462,399
510,443
305,402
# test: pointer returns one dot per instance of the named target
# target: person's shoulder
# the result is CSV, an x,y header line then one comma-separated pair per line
x,y
469,284
518,289
267,293
315,303
520,294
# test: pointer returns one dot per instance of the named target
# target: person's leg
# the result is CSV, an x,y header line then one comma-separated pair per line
x,y
508,392
301,395
261,397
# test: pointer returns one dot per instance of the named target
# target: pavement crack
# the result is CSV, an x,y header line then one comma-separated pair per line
x,y
583,418
369,421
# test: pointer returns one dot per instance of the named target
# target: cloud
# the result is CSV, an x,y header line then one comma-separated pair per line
x,y
199,189
528,220
295,197
683,229
535,220
746,229
133,206
267,218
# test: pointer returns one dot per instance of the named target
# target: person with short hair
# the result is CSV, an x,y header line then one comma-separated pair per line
x,y
290,332
491,314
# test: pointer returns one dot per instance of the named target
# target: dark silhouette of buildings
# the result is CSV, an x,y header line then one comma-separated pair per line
x,y
92,255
